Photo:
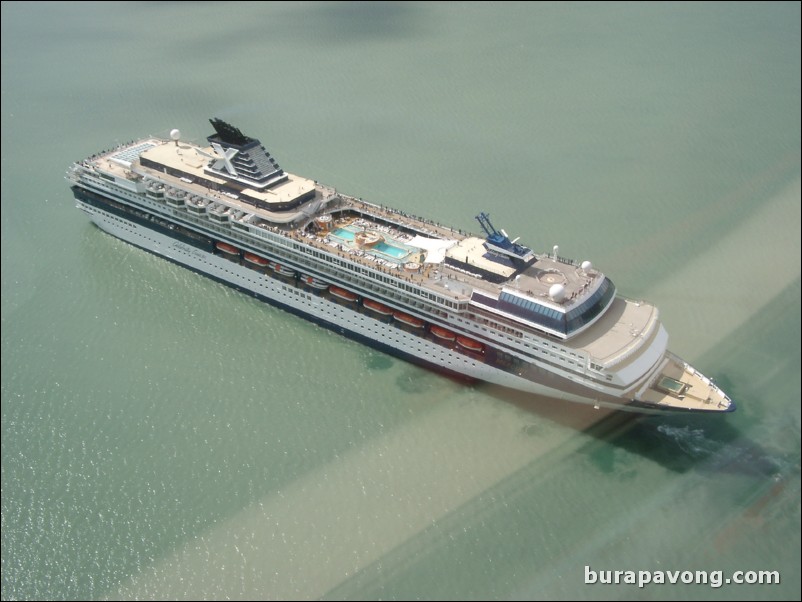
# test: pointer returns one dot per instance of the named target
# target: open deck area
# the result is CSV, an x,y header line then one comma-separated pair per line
x,y
461,261
680,386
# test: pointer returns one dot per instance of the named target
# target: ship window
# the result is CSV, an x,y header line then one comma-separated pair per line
x,y
592,307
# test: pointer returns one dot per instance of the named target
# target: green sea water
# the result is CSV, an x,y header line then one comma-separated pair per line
x,y
164,436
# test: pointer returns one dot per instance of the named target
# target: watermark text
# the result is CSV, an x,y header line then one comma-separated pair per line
x,y
714,579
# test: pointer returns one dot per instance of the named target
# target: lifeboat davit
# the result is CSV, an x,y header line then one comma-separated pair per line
x,y
377,307
470,344
342,293
442,333
408,320
314,282
227,248
255,259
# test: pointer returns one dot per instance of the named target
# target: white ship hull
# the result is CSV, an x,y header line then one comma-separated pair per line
x,y
340,318
427,293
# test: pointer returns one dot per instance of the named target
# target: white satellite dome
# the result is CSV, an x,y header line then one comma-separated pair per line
x,y
175,134
557,292
586,265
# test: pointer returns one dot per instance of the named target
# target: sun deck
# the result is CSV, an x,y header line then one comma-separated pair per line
x,y
395,253
623,328
190,160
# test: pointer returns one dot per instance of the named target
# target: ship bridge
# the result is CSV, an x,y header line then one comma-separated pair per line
x,y
549,312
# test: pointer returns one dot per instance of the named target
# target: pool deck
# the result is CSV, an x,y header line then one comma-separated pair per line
x,y
386,236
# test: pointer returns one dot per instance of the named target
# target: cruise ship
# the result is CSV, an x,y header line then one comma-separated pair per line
x,y
484,307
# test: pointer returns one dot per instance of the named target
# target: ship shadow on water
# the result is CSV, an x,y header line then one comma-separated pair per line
x,y
707,443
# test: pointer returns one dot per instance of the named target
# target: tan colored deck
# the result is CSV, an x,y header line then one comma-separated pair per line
x,y
700,394
186,158
471,250
617,333
621,329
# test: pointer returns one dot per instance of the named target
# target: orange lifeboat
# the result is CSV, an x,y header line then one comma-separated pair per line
x,y
377,307
314,282
227,248
281,269
442,333
408,320
342,293
470,344
255,259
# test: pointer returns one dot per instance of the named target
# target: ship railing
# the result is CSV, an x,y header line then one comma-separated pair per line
x,y
74,173
295,245
391,214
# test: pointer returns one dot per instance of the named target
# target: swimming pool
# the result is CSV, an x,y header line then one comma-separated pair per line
x,y
344,233
382,249
394,252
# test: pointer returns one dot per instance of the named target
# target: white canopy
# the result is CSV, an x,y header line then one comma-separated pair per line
x,y
435,248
